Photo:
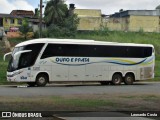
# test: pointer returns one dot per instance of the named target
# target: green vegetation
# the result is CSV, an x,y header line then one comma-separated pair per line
x,y
92,102
55,12
77,102
25,28
3,68
59,20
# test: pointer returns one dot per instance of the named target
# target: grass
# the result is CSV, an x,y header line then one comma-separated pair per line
x,y
3,67
76,102
82,103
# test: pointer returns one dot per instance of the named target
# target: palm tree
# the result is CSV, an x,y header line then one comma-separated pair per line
x,y
55,11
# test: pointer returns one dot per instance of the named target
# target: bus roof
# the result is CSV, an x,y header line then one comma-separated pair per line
x,y
77,41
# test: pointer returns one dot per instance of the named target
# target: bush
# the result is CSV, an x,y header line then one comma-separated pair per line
x,y
59,32
36,34
44,34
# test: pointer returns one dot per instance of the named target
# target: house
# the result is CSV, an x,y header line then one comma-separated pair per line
x,y
22,13
135,20
89,19
34,23
11,22
8,21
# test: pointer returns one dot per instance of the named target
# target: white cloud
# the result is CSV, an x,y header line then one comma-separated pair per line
x,y
112,6
6,6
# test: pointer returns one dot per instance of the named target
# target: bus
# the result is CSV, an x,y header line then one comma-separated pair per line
x,y
41,61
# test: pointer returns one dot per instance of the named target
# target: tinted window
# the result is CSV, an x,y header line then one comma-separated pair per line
x,y
148,51
139,52
29,58
52,50
135,52
73,50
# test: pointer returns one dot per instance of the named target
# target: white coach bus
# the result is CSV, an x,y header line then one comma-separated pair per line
x,y
41,61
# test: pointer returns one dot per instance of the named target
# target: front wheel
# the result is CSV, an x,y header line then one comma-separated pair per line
x,y
116,79
41,80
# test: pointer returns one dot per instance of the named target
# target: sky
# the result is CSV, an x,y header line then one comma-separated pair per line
x,y
107,6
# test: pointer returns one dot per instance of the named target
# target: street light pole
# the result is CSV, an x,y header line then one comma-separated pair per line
x,y
40,20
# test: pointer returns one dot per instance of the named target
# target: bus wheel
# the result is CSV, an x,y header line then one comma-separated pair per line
x,y
41,80
129,79
116,79
104,83
31,84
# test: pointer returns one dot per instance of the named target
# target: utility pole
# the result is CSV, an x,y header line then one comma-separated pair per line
x,y
40,20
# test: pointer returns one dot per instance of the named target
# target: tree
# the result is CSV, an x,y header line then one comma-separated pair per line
x,y
59,22
55,12
25,28
71,24
37,13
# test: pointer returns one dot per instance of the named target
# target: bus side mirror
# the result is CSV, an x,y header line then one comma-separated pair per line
x,y
4,57
20,52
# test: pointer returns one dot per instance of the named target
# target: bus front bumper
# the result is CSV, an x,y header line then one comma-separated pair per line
x,y
14,76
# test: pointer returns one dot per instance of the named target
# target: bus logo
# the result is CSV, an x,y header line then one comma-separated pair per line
x,y
23,78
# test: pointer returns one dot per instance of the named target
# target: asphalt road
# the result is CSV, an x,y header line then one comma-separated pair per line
x,y
59,89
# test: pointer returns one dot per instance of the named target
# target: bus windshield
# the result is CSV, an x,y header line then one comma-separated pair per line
x,y
24,60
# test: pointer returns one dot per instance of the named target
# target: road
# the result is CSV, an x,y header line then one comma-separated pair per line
x,y
58,89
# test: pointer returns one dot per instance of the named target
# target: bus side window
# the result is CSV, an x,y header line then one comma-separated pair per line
x,y
148,51
48,52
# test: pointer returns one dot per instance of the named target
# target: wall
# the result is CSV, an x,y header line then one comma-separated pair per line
x,y
89,19
89,23
114,24
145,23
135,23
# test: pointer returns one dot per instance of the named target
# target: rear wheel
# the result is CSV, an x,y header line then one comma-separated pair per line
x,y
116,79
41,80
129,79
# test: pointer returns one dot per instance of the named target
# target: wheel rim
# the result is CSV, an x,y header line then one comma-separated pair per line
x,y
42,80
117,80
129,79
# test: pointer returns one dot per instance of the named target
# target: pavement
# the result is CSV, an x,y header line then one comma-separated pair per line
x,y
72,89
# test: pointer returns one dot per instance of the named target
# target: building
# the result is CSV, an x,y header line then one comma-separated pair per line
x,y
89,19
11,22
22,13
135,20
8,21
34,23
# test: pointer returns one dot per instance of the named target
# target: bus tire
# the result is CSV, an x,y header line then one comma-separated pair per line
x,y
41,80
129,79
31,84
116,79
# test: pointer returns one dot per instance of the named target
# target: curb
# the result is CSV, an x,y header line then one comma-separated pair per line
x,y
58,118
